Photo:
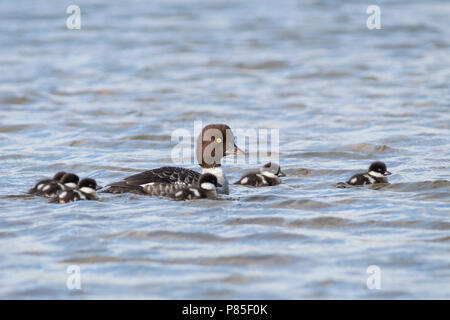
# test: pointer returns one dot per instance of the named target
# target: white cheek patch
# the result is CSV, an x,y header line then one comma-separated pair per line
x,y
376,174
87,190
70,185
268,174
207,186
244,181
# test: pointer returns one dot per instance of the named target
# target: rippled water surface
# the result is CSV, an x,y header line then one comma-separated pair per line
x,y
104,101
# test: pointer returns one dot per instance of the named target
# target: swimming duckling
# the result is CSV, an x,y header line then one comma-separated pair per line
x,y
268,175
207,185
85,191
376,174
37,189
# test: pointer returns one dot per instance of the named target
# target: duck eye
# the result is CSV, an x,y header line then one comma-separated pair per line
x,y
219,140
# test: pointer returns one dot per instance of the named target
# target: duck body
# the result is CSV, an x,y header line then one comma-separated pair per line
x,y
365,178
215,142
160,181
376,174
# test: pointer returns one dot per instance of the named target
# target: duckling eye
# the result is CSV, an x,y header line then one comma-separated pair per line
x,y
219,140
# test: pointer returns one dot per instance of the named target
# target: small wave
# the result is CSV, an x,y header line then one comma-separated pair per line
x,y
258,220
17,196
330,155
14,128
322,222
231,279
365,147
151,137
75,143
84,92
264,65
167,236
443,196
419,186
295,105
301,204
442,239
313,173
15,100
6,234
265,260
13,156
93,259
274,236
259,197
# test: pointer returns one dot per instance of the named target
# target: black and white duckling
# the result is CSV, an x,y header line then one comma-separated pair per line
x,y
207,185
376,174
88,187
268,175
52,188
68,181
37,189
86,191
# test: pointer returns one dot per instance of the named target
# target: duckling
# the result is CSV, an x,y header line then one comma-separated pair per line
x,y
268,175
376,174
84,191
37,189
207,185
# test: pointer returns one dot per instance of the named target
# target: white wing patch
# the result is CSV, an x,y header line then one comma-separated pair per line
x,y
147,184
371,180
244,181
46,188
195,191
263,180
353,180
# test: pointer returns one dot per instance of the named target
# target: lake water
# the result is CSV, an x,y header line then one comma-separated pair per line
x,y
103,101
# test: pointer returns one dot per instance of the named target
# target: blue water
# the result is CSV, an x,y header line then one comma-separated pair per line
x,y
104,101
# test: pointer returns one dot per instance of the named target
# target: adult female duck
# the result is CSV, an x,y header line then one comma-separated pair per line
x,y
215,142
